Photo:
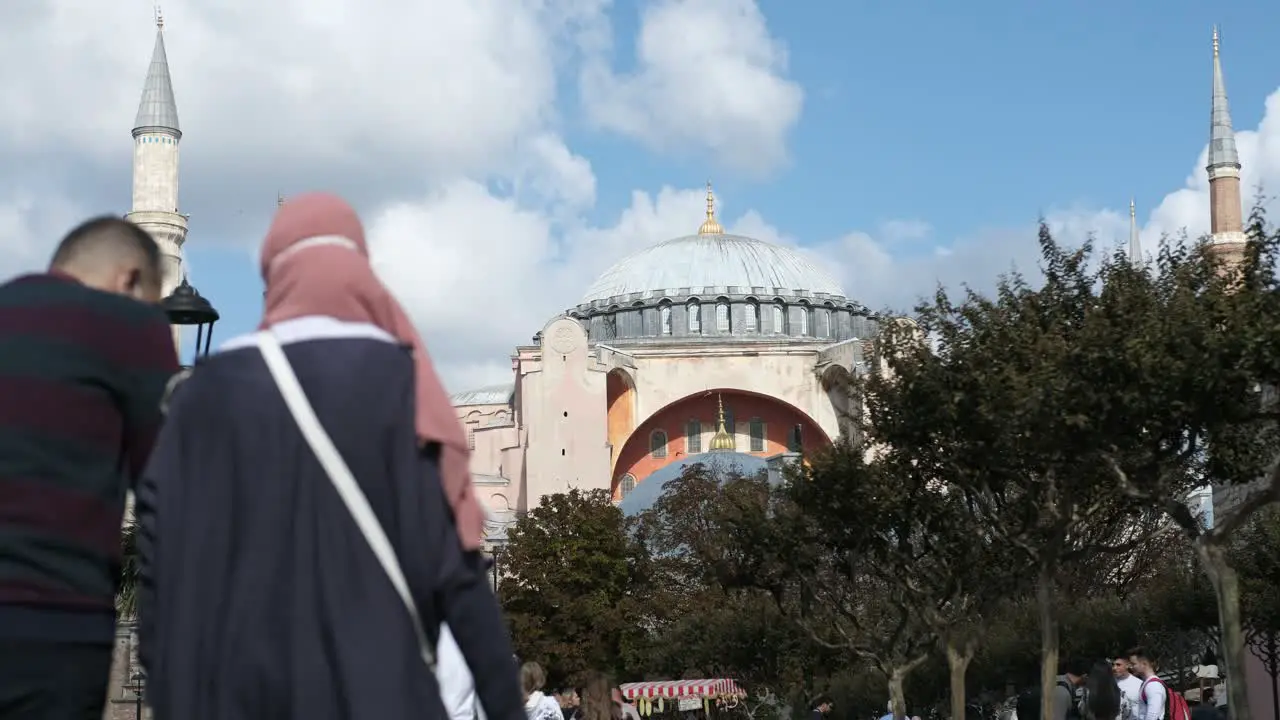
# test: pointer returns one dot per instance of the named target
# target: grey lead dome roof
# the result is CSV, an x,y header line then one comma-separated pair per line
x,y
716,261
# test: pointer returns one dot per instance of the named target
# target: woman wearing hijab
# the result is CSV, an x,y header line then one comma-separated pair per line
x,y
278,587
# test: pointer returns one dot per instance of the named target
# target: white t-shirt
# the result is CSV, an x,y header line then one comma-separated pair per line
x,y
1130,690
1152,699
457,688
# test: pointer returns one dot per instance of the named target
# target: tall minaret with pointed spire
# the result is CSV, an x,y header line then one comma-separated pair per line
x,y
1135,242
156,135
1226,222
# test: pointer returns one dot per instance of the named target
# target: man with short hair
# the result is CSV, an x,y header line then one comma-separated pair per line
x,y
85,356
1066,703
1130,688
821,707
1152,698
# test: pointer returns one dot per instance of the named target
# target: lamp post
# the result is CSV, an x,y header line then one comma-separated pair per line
x,y
185,307
138,686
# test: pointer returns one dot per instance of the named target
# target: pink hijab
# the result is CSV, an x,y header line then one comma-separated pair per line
x,y
315,262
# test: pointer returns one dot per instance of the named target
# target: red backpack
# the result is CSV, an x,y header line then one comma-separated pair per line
x,y
1175,706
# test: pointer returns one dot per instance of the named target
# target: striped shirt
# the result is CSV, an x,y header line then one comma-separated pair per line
x,y
82,374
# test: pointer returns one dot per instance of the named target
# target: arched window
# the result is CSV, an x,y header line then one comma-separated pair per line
x,y
695,317
824,322
723,325
627,484
658,444
664,317
610,326
779,318
752,317
806,320
757,435
693,437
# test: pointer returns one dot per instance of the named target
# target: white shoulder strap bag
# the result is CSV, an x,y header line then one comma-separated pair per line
x,y
343,481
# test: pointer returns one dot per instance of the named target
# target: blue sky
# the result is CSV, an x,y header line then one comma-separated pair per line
x,y
965,121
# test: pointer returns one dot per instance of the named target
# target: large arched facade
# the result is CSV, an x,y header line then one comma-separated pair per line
x,y
761,426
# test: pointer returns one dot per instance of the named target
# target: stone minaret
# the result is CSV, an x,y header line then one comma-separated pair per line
x,y
1225,209
155,164
1135,242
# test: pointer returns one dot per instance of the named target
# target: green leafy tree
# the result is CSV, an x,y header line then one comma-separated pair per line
x,y
945,570
1189,349
571,589
988,398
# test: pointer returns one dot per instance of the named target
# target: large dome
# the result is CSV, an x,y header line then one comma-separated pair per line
x,y
724,263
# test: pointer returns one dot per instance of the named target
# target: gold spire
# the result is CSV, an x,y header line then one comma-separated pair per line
x,y
711,226
723,439
1215,41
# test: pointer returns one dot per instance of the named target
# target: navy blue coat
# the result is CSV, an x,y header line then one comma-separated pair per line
x,y
260,599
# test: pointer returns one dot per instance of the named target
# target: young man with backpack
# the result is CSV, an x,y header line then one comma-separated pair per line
x,y
1156,701
1065,694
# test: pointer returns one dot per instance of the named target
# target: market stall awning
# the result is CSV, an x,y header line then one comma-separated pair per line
x,y
713,688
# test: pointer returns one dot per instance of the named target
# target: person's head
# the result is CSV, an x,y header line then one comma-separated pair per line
x,y
567,698
1075,671
1102,693
113,255
822,704
1141,663
532,678
1120,667
600,700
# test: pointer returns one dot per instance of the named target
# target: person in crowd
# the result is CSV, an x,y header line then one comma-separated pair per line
x,y
1152,697
86,358
628,710
1207,708
1066,694
821,707
537,705
568,701
598,699
291,575
1102,698
1130,687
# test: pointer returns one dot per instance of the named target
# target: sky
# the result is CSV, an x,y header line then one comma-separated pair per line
x,y
502,155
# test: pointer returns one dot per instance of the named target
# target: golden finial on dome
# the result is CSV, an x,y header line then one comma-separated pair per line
x,y
711,226
723,439
1215,41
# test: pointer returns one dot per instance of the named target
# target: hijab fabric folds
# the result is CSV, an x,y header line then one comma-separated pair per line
x,y
315,262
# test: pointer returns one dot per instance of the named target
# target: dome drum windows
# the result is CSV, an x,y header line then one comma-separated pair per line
x,y
664,317
694,309
756,429
724,322
752,317
779,325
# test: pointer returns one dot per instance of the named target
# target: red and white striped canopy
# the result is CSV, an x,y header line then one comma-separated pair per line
x,y
682,689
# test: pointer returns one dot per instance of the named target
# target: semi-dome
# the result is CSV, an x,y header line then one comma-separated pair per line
x,y
712,262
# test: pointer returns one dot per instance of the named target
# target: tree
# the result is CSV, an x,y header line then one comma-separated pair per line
x,y
721,618
1193,344
991,398
127,595
571,590
917,540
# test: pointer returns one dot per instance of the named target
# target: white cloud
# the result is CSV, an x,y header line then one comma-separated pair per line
x,y
709,76
440,120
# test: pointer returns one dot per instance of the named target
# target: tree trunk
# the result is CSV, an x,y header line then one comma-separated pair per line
x,y
1045,590
1226,586
958,661
896,695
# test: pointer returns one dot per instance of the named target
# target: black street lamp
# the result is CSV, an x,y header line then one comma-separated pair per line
x,y
185,307
138,687
495,559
